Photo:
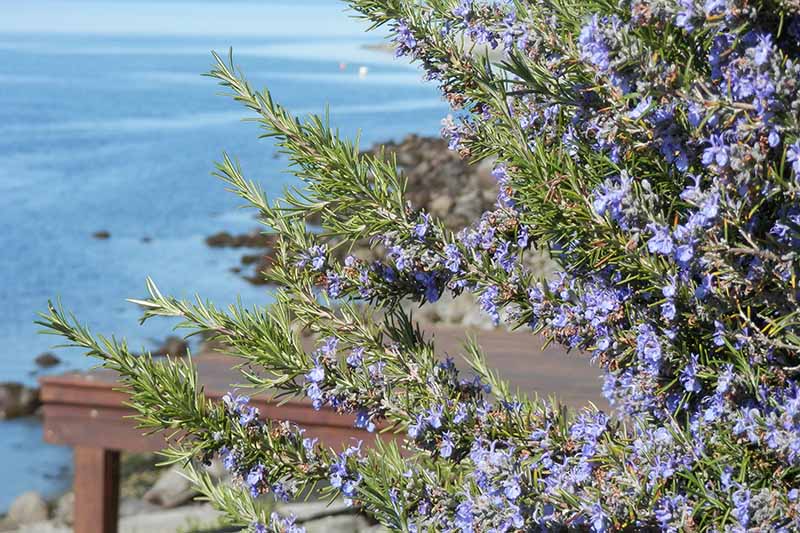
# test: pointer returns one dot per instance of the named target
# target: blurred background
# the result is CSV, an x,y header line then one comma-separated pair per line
x,y
109,134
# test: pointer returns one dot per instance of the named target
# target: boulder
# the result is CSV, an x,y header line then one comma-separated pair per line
x,y
64,512
173,489
17,400
28,508
46,360
440,205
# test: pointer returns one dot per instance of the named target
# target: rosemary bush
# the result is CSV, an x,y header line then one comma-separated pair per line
x,y
652,146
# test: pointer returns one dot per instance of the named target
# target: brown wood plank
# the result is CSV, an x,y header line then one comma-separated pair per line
x,y
518,356
83,408
96,490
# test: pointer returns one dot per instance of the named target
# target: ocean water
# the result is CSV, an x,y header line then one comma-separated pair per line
x,y
107,124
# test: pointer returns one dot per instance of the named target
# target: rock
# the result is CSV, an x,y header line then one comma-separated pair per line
x,y
174,346
219,240
250,259
46,360
319,517
337,524
101,235
28,508
264,264
440,205
17,400
173,489
136,506
254,239
64,512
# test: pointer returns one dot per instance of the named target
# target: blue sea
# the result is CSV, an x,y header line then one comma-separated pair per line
x,y
107,124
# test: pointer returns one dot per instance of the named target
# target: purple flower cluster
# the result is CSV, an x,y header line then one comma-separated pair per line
x,y
674,213
342,474
279,524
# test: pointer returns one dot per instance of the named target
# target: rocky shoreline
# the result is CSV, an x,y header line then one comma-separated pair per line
x,y
441,183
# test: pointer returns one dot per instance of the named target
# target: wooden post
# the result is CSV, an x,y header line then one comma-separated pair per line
x,y
96,490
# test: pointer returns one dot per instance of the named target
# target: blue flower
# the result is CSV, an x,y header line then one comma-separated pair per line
x,y
434,417
712,7
669,290
598,519
430,285
254,479
718,153
793,157
461,413
248,415
416,429
463,10
314,256
316,396
464,517
229,459
422,226
763,49
446,445
741,506
317,374
685,17
406,43
505,257
637,112
334,282
488,302
648,346
309,443
684,254
661,241
453,258
593,45
719,333
668,310
355,358
511,488
401,258
364,421
688,376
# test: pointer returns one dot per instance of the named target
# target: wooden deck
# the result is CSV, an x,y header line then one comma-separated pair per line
x,y
82,410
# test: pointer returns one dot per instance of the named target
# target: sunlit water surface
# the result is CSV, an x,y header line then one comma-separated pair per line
x,y
107,124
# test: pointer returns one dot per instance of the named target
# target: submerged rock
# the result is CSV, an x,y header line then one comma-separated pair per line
x,y
46,360
254,239
17,400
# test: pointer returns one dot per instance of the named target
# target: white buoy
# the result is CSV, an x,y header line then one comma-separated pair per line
x,y
362,71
